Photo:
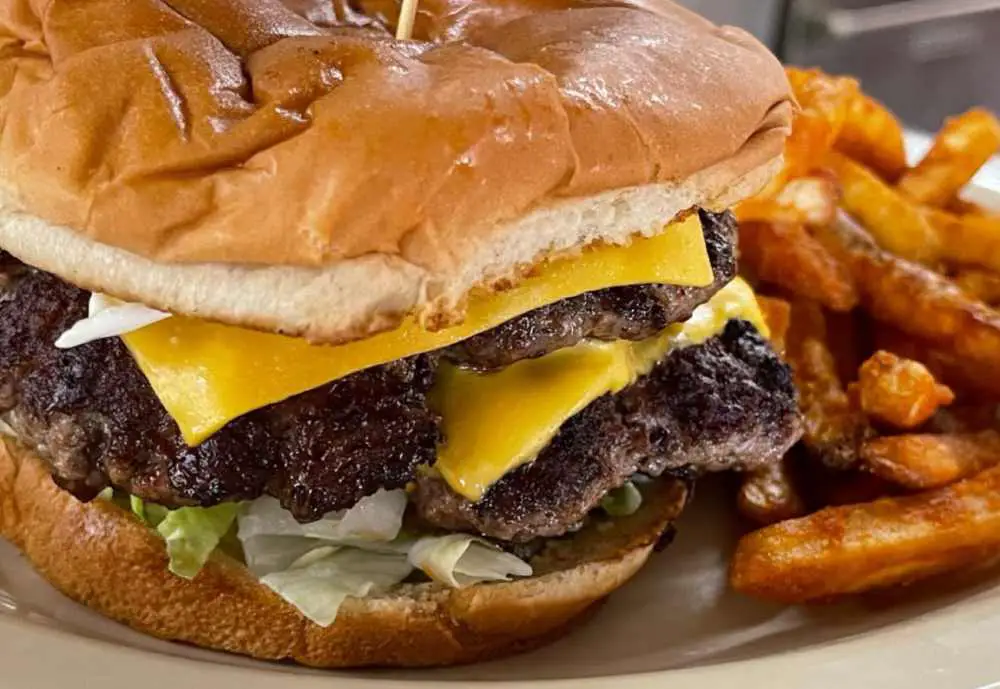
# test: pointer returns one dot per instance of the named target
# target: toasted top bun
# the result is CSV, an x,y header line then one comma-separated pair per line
x,y
281,165
100,555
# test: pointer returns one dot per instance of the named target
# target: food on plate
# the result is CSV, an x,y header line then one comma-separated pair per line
x,y
918,354
834,427
352,350
873,136
894,222
785,254
915,299
981,285
897,391
778,315
970,239
769,495
919,462
962,146
854,548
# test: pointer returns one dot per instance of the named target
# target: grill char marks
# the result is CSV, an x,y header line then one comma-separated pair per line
x,y
91,414
728,403
620,313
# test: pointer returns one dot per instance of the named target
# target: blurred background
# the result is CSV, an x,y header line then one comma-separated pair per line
x,y
925,59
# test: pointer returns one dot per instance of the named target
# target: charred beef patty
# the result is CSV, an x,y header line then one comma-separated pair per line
x,y
726,404
620,313
91,414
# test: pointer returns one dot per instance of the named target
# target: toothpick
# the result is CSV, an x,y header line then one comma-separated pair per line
x,y
407,16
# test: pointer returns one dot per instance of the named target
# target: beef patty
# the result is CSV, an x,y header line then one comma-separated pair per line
x,y
620,313
92,416
726,404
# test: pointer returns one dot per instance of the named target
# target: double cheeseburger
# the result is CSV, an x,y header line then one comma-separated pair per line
x,y
318,344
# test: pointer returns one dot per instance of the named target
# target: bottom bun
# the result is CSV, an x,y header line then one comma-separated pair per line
x,y
100,555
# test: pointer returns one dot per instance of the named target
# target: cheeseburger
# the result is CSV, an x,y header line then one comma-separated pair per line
x,y
326,345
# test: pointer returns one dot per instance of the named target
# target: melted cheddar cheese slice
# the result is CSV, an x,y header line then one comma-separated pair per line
x,y
207,374
495,422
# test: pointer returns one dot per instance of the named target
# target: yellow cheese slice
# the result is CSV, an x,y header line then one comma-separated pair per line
x,y
495,422
207,374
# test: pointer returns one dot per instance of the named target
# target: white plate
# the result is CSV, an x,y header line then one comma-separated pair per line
x,y
675,623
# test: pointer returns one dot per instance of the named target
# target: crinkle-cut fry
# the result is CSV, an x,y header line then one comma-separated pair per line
x,y
769,495
967,239
896,540
962,146
815,198
777,315
916,300
898,391
824,102
922,462
873,136
894,221
784,254
983,285
834,429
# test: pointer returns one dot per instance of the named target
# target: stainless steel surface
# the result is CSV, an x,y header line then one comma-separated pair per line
x,y
843,23
926,59
761,17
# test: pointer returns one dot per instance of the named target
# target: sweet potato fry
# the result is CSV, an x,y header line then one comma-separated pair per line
x,y
899,392
916,300
960,206
965,418
834,429
874,137
777,314
784,254
824,102
968,378
823,487
806,200
815,198
921,462
856,548
967,239
962,146
769,495
982,285
894,221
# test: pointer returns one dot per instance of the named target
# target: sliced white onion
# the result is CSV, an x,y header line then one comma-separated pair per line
x,y
462,560
108,317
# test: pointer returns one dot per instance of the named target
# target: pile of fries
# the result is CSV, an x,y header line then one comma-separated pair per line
x,y
880,284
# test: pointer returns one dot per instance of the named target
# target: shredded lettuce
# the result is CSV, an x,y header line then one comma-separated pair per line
x,y
316,567
192,533
462,560
377,517
622,502
319,582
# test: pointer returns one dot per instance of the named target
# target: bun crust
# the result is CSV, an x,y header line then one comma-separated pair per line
x,y
239,136
99,555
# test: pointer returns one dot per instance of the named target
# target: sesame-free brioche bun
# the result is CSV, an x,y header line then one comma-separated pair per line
x,y
290,166
101,556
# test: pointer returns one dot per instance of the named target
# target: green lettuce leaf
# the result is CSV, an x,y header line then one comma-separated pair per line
x,y
191,533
